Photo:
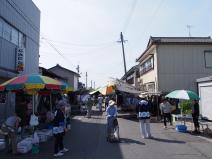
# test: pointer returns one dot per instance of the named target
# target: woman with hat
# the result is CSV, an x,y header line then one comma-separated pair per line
x,y
111,112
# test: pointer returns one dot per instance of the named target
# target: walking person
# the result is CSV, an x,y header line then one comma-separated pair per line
x,y
143,111
111,113
166,108
195,115
89,105
59,130
10,127
106,102
100,100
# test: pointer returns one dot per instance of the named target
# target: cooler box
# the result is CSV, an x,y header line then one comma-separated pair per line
x,y
181,128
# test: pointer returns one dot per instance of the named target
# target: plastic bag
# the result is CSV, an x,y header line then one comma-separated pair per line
x,y
35,139
33,120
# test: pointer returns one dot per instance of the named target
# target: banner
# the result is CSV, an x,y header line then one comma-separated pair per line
x,y
20,59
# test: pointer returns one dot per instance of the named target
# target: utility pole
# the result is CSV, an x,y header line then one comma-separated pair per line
x,y
122,43
86,82
94,84
91,83
78,71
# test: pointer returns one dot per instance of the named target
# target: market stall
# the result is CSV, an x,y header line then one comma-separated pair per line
x,y
29,90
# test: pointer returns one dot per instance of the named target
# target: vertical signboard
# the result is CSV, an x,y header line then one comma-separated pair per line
x,y
20,59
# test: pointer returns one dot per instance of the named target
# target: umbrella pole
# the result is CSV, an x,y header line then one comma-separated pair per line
x,y
51,102
33,104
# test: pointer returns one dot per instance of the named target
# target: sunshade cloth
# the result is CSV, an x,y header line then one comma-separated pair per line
x,y
32,82
183,94
107,90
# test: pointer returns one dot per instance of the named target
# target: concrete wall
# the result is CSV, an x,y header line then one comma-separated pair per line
x,y
180,65
25,17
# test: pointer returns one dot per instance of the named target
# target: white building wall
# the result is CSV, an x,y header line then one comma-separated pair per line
x,y
180,65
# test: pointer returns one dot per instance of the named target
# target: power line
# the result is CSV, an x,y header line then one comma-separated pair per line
x,y
58,51
127,22
153,15
80,45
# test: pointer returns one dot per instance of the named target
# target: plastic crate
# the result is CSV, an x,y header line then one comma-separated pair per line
x,y
181,128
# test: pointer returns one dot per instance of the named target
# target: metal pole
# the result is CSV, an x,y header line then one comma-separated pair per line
x,y
122,43
86,84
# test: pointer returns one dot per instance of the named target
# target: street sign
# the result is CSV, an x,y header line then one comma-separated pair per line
x,y
20,59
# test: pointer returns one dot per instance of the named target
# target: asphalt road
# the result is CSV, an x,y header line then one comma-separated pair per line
x,y
86,140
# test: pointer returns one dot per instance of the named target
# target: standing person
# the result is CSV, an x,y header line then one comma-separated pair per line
x,y
59,130
89,107
10,127
195,115
143,111
106,102
165,108
100,100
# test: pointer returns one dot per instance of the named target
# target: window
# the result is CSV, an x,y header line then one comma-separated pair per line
x,y
208,59
11,34
1,27
146,66
21,40
14,37
7,31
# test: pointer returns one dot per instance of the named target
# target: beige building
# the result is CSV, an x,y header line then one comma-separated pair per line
x,y
171,63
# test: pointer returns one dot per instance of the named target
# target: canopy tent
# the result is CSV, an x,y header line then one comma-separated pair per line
x,y
122,86
107,90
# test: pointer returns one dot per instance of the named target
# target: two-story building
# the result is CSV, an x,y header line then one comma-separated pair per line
x,y
131,76
19,44
171,63
71,77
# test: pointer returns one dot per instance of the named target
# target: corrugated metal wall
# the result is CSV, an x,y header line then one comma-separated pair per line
x,y
180,65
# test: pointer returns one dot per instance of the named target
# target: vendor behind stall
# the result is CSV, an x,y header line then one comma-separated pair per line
x,y
10,127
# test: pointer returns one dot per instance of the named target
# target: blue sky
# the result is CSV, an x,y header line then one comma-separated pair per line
x,y
86,31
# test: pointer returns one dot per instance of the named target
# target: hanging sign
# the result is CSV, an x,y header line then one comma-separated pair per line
x,y
20,59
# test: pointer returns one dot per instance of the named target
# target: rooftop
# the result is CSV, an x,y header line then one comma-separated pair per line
x,y
176,41
58,66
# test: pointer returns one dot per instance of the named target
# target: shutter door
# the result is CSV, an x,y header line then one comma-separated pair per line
x,y
206,101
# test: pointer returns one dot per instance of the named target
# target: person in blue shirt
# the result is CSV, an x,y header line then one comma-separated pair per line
x,y
143,111
111,113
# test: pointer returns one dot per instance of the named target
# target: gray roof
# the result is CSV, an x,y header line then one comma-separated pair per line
x,y
160,40
176,41
63,68
205,79
130,72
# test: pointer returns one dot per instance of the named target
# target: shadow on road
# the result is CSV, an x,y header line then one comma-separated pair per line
x,y
131,141
168,140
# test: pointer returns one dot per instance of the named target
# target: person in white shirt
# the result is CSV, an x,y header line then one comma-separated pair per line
x,y
165,108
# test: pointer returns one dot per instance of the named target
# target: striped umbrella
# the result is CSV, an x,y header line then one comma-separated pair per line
x,y
183,94
31,82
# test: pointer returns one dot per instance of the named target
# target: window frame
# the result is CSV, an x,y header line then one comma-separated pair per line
x,y
206,52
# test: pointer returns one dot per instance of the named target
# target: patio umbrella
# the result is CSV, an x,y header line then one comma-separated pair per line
x,y
31,82
183,94
66,87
